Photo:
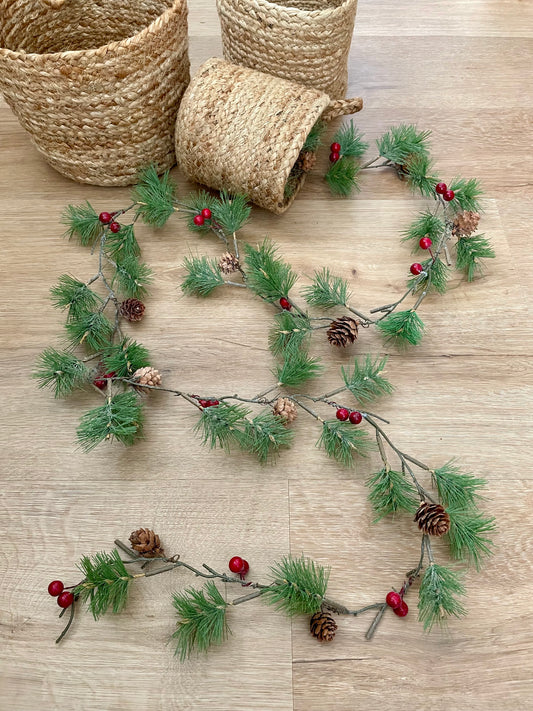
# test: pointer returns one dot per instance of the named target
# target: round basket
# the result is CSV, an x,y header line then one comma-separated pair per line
x,y
243,131
307,41
96,83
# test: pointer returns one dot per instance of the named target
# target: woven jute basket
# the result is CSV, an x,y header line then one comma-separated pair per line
x,y
96,83
307,41
242,131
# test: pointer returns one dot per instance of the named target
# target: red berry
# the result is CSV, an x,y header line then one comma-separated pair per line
x,y
213,403
65,599
393,599
204,403
335,148
440,188
448,195
101,381
334,156
238,565
198,219
343,414
114,227
285,304
426,242
401,610
206,213
416,269
244,570
356,418
55,588
105,218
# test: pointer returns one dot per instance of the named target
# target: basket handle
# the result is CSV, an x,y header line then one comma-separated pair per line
x,y
342,107
53,4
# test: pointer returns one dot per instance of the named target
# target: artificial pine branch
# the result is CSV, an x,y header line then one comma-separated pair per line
x,y
123,245
297,366
133,277
456,489
82,222
201,620
390,492
470,535
299,586
434,277
439,592
401,142
124,358
342,177
154,196
121,418
267,275
402,328
290,332
342,442
426,224
470,251
326,290
74,295
106,583
203,276
468,194
61,371
365,381
91,329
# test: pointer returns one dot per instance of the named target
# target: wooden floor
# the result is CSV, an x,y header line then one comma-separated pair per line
x,y
461,68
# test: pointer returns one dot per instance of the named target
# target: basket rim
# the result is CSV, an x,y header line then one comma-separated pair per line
x,y
298,12
103,49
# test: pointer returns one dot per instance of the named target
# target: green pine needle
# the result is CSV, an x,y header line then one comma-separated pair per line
x,y
265,435
299,586
470,535
436,278
125,358
342,176
93,330
402,328
399,143
61,371
313,140
232,212
420,175
201,619
351,140
221,426
467,195
156,195
366,382
82,222
197,202
439,590
203,276
470,251
121,245
425,225
133,277
290,331
106,583
342,441
391,492
268,275
121,417
456,489
326,290
298,367
74,295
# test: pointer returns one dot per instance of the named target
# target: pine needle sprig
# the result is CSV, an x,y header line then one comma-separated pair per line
x,y
195,203
391,492
232,212
61,371
155,196
106,583
342,176
402,328
468,195
351,140
203,276
399,143
122,245
342,442
74,295
299,586
125,358
133,277
222,426
93,330
327,290
438,599
470,251
265,435
83,223
201,619
290,331
297,367
420,174
314,137
436,277
470,535
426,225
121,418
268,275
366,382
457,489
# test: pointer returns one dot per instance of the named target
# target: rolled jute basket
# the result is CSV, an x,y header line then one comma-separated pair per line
x,y
96,83
243,131
307,41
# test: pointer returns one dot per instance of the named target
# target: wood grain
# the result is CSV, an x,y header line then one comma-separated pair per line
x,y
461,68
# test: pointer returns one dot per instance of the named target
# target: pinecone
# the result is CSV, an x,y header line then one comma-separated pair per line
x,y
308,160
322,626
343,331
432,519
286,409
465,223
228,263
147,543
132,309
147,376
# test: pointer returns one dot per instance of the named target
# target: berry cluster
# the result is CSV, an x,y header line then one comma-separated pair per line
x,y
335,153
101,381
64,597
106,218
397,603
442,189
208,403
239,566
201,217
285,304
344,414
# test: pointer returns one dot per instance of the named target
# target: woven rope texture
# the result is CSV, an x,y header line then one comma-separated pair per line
x,y
96,83
242,130
307,41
